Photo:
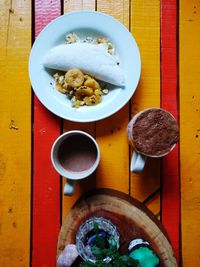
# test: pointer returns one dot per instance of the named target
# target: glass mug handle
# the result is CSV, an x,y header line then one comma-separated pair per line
x,y
137,162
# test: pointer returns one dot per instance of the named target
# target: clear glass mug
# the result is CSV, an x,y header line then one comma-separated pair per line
x,y
138,158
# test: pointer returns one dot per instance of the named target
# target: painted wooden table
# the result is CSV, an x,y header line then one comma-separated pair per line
x,y
32,206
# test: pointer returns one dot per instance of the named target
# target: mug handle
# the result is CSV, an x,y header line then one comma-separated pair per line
x,y
137,162
69,187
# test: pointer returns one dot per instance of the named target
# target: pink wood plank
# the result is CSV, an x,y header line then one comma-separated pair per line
x,y
170,213
46,183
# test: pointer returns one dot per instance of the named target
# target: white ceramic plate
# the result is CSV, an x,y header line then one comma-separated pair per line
x,y
84,23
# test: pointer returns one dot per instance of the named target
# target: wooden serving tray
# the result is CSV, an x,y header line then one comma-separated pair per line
x,y
132,219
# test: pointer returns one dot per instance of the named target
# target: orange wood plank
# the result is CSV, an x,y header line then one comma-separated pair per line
x,y
15,129
190,129
152,202
89,183
113,171
145,26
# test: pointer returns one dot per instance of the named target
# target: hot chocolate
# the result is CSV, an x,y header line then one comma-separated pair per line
x,y
154,132
77,153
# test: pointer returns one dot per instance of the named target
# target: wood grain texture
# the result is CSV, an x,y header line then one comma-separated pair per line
x,y
145,26
15,129
190,130
75,5
170,101
119,9
89,183
122,211
113,171
46,182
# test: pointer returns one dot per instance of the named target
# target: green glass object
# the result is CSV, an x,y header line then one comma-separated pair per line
x,y
145,256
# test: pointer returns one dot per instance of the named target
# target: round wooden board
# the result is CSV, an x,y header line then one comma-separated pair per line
x,y
131,218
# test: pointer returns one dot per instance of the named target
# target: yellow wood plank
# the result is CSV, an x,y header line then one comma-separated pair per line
x,y
145,26
118,9
190,130
89,183
74,5
111,133
15,129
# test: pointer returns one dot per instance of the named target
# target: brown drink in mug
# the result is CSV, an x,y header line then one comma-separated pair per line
x,y
153,132
75,155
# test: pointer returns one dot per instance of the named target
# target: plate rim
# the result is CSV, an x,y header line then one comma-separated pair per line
x,y
70,118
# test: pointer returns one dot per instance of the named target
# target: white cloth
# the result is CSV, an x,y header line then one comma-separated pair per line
x,y
90,58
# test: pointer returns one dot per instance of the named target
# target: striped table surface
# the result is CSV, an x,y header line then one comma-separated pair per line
x,y
32,206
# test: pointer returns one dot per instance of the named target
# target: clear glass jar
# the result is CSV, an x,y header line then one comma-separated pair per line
x,y
107,226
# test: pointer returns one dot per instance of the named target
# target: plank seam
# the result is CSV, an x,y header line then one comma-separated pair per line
x,y
151,196
32,138
129,149
178,107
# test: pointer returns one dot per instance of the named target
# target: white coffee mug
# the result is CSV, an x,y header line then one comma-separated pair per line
x,y
138,159
75,155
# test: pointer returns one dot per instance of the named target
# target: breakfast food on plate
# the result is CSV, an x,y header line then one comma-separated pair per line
x,y
73,38
90,58
82,89
153,132
80,63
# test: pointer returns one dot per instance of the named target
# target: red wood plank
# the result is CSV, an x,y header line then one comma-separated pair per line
x,y
46,182
170,212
